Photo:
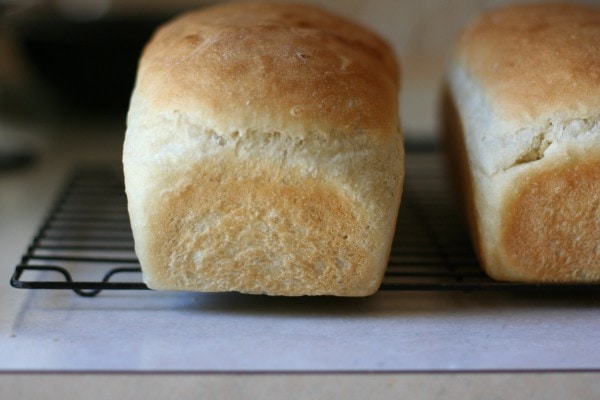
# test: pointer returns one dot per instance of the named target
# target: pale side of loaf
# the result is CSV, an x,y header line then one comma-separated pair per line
x,y
263,153
522,115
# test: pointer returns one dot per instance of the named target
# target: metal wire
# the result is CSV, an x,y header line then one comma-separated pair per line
x,y
87,235
85,243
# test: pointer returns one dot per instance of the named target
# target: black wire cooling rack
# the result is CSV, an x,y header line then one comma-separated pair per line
x,y
85,243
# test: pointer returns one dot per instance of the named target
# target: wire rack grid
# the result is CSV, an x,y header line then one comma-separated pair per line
x,y
85,244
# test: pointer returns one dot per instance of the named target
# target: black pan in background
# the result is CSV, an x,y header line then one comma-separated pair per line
x,y
87,66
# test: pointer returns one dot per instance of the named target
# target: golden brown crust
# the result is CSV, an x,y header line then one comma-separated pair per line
x,y
549,226
294,64
551,222
258,234
536,60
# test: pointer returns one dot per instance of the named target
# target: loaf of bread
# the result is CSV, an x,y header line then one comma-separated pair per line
x,y
522,118
263,153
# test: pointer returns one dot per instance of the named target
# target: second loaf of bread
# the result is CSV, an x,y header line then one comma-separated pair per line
x,y
523,119
263,153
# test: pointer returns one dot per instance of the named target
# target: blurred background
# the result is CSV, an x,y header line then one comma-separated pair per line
x,y
67,59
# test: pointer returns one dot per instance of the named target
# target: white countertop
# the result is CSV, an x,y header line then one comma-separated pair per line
x,y
149,331
393,337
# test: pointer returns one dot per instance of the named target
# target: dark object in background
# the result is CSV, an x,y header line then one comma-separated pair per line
x,y
11,160
89,67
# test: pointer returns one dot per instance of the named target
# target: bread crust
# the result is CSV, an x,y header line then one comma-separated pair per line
x,y
296,68
551,222
536,61
263,153
525,146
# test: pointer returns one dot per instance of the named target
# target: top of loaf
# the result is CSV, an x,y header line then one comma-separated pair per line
x,y
536,62
270,66
525,79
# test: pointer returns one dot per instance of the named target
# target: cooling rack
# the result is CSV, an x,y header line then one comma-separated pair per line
x,y
85,243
